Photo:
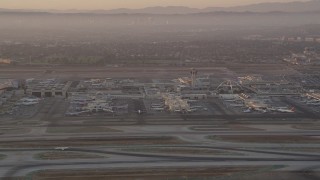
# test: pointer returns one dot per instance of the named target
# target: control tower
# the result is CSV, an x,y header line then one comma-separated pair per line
x,y
194,74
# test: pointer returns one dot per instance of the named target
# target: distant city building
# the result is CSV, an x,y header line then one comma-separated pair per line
x,y
309,39
291,39
6,61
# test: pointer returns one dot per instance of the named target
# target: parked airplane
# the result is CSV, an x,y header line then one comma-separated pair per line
x,y
262,110
122,107
157,105
140,112
61,148
76,113
197,107
192,110
285,110
259,109
312,102
28,101
109,109
158,109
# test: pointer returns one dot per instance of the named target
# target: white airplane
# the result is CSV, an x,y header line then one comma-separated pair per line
x,y
108,110
140,112
197,107
122,107
247,111
61,148
76,113
157,105
258,108
158,109
73,114
262,110
286,110
192,110
28,101
313,102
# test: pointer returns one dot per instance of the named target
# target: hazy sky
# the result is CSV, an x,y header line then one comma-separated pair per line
x,y
111,4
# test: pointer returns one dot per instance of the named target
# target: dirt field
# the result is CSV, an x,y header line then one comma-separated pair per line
x,y
267,139
144,174
80,142
56,155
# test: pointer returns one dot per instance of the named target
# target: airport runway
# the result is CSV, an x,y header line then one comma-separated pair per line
x,y
255,154
126,160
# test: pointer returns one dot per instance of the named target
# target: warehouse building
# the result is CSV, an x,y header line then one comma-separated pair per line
x,y
48,89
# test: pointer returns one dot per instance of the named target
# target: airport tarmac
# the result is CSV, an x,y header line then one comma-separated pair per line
x,y
19,150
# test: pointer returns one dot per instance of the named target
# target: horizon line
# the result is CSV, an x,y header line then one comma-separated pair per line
x,y
199,8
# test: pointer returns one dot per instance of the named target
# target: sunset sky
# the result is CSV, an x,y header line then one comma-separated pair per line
x,y
112,4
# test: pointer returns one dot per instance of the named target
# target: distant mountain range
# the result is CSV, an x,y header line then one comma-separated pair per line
x,y
296,6
309,6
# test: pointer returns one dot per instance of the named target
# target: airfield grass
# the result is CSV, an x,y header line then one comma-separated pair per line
x,y
145,173
90,129
266,139
84,142
296,149
223,128
58,155
14,131
2,156
307,127
180,150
